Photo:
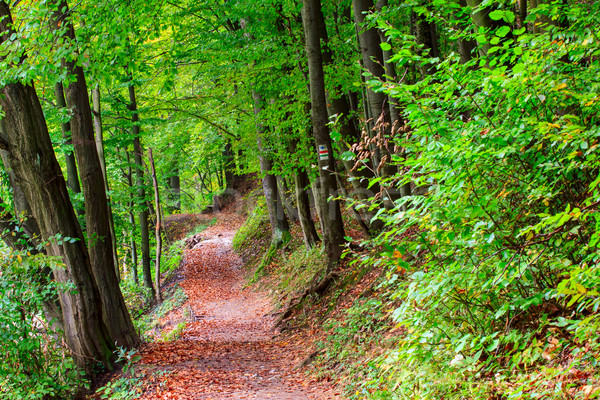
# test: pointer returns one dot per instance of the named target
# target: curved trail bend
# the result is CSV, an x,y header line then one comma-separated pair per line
x,y
228,349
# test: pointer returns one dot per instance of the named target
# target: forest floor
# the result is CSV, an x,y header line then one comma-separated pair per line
x,y
228,348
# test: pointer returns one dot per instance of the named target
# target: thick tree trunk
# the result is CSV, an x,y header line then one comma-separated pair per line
x,y
158,228
141,192
97,112
309,232
21,204
333,234
482,19
115,313
32,157
346,121
72,177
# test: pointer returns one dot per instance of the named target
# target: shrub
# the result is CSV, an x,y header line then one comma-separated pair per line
x,y
33,363
504,235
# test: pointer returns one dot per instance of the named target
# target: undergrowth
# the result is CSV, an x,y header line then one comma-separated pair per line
x,y
492,268
34,364
149,324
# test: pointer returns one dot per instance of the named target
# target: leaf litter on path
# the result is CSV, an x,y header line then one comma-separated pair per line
x,y
228,349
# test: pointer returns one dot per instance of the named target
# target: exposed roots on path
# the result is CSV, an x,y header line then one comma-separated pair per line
x,y
228,349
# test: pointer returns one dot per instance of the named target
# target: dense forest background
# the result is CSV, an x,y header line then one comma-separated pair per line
x,y
451,145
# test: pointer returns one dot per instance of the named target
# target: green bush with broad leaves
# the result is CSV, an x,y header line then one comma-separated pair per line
x,y
33,363
494,260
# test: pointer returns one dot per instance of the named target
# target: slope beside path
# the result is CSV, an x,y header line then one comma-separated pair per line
x,y
228,349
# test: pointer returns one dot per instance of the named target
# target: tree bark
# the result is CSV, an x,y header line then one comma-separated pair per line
x,y
309,232
72,177
466,47
158,228
286,199
21,204
141,191
175,190
32,157
134,255
333,234
97,113
280,227
115,313
372,60
426,34
346,121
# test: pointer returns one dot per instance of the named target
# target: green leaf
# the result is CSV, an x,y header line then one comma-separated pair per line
x,y
496,15
520,67
502,31
386,46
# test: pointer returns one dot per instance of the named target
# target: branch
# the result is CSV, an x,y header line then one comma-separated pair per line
x,y
203,118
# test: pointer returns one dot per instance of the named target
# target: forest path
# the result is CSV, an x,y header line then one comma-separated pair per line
x,y
228,350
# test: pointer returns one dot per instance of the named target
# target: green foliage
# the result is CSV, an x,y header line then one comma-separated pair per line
x,y
33,365
128,385
137,297
171,258
253,228
172,299
503,230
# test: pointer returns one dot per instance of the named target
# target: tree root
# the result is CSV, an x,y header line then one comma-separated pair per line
x,y
318,287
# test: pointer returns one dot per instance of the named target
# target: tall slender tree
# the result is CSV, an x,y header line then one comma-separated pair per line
x,y
280,228
99,134
99,234
333,226
142,205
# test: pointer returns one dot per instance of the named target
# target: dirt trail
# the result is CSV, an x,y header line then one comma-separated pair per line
x,y
228,349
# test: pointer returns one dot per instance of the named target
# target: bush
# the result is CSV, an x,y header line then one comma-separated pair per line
x,y
33,363
504,236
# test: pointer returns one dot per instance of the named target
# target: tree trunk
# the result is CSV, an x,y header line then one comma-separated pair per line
x,y
309,232
134,255
286,199
32,157
482,19
372,59
175,190
229,165
100,243
72,177
158,228
465,46
280,228
141,191
333,234
346,121
426,34
97,112
21,204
